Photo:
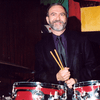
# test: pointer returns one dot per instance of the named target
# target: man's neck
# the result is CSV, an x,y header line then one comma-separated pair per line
x,y
58,33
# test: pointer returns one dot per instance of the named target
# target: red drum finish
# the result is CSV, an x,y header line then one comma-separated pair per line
x,y
35,90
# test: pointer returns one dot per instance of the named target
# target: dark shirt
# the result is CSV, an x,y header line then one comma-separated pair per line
x,y
64,41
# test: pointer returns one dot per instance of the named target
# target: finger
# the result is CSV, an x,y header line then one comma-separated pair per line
x,y
66,77
66,68
65,72
70,86
70,81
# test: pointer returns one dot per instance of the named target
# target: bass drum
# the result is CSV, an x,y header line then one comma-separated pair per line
x,y
87,90
36,90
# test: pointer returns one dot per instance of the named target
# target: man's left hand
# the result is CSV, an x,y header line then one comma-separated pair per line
x,y
70,82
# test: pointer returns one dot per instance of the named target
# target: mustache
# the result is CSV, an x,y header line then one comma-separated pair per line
x,y
58,21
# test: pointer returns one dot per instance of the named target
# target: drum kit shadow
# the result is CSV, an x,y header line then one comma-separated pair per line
x,y
30,90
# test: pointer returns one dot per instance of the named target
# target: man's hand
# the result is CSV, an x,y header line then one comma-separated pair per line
x,y
63,75
70,82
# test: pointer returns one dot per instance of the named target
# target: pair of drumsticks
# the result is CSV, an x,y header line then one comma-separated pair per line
x,y
58,62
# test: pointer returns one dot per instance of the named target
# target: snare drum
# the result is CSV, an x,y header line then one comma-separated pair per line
x,y
87,90
35,90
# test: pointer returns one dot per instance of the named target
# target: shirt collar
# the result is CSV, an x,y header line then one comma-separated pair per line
x,y
62,36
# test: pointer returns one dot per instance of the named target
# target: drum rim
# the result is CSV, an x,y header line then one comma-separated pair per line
x,y
35,84
86,83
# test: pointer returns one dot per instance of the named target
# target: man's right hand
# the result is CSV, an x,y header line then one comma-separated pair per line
x,y
63,75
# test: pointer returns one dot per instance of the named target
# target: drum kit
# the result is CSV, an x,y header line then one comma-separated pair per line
x,y
87,90
25,90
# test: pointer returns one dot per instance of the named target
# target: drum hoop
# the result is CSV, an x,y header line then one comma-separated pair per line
x,y
35,84
86,83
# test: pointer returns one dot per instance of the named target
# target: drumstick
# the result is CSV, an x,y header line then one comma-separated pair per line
x,y
59,59
55,60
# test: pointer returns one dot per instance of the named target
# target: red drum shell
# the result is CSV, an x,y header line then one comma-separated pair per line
x,y
27,88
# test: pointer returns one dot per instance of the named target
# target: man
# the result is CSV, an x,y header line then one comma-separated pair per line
x,y
80,60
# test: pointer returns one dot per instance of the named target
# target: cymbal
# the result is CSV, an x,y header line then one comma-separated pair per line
x,y
14,68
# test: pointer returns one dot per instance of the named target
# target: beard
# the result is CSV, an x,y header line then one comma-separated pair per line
x,y
57,27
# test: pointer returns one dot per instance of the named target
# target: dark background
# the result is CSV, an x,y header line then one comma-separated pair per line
x,y
20,30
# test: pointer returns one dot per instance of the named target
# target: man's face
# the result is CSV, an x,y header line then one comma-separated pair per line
x,y
57,18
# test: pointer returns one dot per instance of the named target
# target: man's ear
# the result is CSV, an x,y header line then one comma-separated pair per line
x,y
47,19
